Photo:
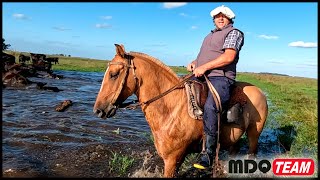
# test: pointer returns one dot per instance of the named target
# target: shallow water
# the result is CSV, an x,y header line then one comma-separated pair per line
x,y
31,128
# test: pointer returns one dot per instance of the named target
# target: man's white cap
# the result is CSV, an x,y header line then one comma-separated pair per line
x,y
224,10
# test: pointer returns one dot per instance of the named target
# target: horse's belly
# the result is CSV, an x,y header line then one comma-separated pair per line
x,y
230,134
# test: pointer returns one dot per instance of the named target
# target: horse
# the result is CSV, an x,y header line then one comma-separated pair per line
x,y
174,131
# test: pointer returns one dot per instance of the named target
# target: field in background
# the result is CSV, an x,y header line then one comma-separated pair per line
x,y
294,106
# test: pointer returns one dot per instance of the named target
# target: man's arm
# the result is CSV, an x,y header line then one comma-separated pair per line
x,y
224,59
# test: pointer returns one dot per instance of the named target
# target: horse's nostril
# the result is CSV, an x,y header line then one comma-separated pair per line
x,y
96,111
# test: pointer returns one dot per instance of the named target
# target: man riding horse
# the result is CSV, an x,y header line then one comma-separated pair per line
x,y
217,59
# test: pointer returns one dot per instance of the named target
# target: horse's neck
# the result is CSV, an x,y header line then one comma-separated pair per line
x,y
155,81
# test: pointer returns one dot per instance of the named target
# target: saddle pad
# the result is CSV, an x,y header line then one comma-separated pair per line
x,y
194,110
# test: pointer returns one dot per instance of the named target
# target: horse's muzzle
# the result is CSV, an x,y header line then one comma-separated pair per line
x,y
107,113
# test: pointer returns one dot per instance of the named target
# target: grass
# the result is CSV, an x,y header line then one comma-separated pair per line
x,y
120,164
80,64
84,64
294,104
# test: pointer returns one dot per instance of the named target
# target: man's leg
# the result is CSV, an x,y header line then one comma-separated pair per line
x,y
210,120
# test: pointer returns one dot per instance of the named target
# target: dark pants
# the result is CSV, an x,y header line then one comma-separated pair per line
x,y
210,119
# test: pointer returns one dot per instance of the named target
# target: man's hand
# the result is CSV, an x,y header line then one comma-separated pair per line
x,y
191,66
199,71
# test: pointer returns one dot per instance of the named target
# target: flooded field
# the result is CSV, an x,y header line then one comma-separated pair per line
x,y
38,141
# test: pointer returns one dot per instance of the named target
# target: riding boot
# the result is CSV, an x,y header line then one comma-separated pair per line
x,y
206,157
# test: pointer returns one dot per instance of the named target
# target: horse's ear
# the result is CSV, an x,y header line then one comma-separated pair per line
x,y
120,50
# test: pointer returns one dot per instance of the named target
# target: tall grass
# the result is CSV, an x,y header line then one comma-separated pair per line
x,y
80,64
295,103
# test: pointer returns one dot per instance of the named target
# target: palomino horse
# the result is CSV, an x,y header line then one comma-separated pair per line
x,y
174,131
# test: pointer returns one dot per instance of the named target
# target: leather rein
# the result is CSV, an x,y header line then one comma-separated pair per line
x,y
134,104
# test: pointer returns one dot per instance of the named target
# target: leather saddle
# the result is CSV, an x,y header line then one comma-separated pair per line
x,y
197,93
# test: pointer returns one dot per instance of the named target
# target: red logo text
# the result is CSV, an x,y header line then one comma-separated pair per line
x,y
293,167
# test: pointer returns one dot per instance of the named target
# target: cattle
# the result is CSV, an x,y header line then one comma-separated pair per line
x,y
53,59
37,57
23,58
7,61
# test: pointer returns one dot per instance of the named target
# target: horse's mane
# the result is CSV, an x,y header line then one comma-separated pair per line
x,y
156,61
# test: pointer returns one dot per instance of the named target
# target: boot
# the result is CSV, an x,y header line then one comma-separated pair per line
x,y
206,157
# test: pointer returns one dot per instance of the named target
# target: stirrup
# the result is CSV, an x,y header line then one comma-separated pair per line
x,y
198,165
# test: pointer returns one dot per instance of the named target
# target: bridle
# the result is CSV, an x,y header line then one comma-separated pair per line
x,y
129,65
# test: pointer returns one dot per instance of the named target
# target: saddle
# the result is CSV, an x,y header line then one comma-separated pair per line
x,y
197,93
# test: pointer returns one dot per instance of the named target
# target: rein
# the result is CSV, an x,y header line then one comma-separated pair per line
x,y
217,100
129,104
125,105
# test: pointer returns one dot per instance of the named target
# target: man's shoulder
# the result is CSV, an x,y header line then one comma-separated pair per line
x,y
237,31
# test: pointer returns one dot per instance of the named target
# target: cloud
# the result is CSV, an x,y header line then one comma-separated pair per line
x,y
20,16
276,61
183,14
302,44
172,5
103,26
59,43
158,45
268,37
106,17
310,64
186,15
194,27
60,28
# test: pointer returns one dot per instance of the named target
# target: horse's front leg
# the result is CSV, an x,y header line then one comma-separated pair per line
x,y
170,165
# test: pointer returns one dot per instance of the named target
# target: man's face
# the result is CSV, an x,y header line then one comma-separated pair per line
x,y
221,20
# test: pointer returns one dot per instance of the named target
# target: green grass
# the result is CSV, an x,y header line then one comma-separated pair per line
x,y
80,64
294,104
120,164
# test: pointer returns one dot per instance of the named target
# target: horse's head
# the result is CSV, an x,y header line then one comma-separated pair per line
x,y
119,82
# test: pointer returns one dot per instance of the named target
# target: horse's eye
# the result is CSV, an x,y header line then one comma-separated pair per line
x,y
114,75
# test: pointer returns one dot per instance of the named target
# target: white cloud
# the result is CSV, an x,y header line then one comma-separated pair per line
x,y
183,14
106,17
158,45
186,15
61,28
303,44
268,37
103,26
194,27
20,16
59,43
173,5
274,61
310,64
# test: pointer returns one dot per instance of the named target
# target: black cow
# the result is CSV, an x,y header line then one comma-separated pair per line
x,y
37,57
52,59
7,61
23,58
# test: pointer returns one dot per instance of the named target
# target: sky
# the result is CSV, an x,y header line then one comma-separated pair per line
x,y
279,37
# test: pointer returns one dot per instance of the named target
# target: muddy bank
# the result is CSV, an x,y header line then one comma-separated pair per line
x,y
87,161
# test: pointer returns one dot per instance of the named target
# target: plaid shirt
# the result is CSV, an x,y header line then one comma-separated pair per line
x,y
233,40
